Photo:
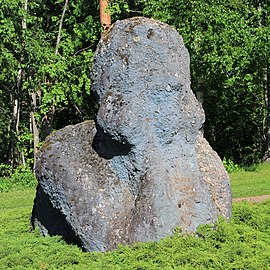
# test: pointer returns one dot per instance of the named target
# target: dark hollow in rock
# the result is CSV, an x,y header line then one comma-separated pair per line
x,y
143,168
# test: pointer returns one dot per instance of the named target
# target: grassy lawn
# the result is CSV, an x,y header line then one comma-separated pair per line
x,y
243,243
251,183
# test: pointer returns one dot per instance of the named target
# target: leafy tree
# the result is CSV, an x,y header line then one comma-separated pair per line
x,y
46,55
229,52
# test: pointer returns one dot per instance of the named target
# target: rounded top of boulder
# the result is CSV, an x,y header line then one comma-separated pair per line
x,y
143,46
142,80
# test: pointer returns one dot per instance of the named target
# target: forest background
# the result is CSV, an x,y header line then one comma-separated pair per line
x,y
47,47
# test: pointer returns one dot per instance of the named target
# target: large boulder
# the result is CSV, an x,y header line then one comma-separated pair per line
x,y
143,168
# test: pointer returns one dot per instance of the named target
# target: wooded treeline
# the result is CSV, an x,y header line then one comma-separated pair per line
x,y
46,50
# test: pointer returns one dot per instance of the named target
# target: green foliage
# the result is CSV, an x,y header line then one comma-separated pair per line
x,y
21,177
230,166
252,181
227,41
4,124
5,184
117,8
5,170
243,243
30,65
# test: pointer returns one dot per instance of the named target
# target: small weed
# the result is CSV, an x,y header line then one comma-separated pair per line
x,y
230,166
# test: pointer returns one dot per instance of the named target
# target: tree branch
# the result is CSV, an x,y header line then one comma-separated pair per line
x,y
60,27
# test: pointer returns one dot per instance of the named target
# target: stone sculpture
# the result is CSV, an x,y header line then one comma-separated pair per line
x,y
143,167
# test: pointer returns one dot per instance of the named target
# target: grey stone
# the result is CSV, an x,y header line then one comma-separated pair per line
x,y
144,167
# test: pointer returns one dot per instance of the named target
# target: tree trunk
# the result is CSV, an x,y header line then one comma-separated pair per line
x,y
33,94
46,122
34,127
60,27
14,126
267,152
266,157
105,17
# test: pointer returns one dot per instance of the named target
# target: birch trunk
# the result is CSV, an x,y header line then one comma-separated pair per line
x,y
14,127
267,152
60,27
33,94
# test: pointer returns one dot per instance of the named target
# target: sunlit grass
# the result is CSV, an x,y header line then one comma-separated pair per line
x,y
244,243
251,183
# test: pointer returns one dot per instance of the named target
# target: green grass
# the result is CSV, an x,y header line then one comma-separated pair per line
x,y
251,183
244,243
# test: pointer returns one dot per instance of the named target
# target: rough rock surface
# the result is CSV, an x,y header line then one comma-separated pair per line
x,y
144,167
